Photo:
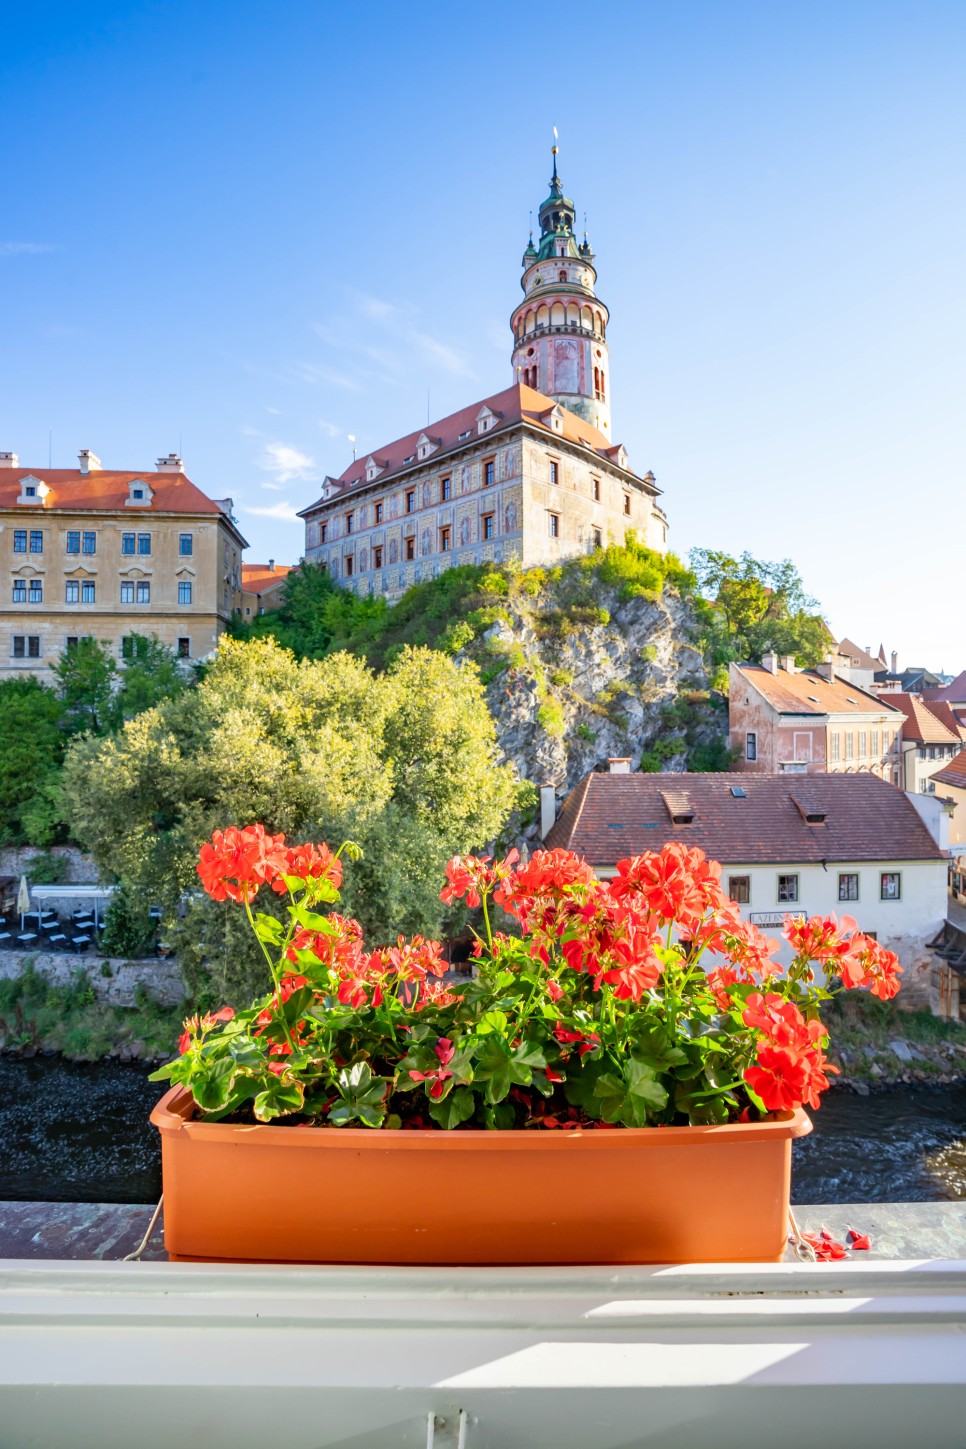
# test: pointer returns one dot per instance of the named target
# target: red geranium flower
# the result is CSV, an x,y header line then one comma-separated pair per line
x,y
237,862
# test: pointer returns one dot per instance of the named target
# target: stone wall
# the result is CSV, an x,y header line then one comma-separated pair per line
x,y
81,870
161,979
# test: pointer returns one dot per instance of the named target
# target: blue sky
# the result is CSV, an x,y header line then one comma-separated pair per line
x,y
258,229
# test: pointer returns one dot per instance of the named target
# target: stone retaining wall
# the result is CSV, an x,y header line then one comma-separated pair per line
x,y
161,979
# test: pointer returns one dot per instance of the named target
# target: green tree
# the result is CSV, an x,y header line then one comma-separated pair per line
x,y
150,674
85,675
316,617
33,742
404,761
756,606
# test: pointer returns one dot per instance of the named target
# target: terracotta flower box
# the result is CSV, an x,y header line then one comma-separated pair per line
x,y
352,1195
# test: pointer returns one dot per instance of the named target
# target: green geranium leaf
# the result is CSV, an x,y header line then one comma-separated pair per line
x,y
268,928
211,1083
246,1051
492,1021
642,1082
455,1108
280,1099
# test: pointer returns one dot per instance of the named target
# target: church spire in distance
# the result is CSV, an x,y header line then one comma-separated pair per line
x,y
560,327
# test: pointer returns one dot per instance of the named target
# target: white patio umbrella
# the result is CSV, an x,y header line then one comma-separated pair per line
x,y
23,899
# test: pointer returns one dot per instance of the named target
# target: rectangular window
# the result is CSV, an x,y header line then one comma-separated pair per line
x,y
36,594
377,558
445,489
596,490
554,472
751,745
186,544
890,885
862,743
488,524
849,886
88,591
127,593
184,592
849,745
323,533
788,889
739,889
489,472
20,591
184,648
90,543
26,646
144,593
554,524
410,548
627,504
73,591
835,747
598,539
378,512
20,540
444,537
144,543
127,543
71,642
411,501
874,744
36,540
350,564
349,519
73,541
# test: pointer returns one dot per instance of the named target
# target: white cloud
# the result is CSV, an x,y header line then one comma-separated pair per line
x,y
11,249
402,347
277,412
284,511
274,487
329,429
286,463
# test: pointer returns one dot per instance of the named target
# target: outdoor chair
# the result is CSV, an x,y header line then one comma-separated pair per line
x,y
6,940
80,943
57,941
27,938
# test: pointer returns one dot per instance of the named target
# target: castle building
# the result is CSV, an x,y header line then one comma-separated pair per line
x,y
528,474
90,552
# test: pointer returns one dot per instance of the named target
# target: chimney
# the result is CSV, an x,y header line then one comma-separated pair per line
x,y
548,809
89,462
769,661
825,668
9,460
171,463
895,662
619,766
271,565
788,663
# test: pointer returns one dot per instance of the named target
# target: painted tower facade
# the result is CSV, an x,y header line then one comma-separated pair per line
x,y
560,327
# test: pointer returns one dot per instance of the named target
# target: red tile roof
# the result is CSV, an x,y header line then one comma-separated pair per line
x,y
954,693
806,692
515,404
858,658
103,491
953,772
256,578
921,723
610,816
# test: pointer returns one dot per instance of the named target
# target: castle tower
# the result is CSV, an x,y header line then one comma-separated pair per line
x,y
560,327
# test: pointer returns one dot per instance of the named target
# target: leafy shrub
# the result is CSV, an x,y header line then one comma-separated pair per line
x,y
128,928
47,869
494,583
551,718
457,637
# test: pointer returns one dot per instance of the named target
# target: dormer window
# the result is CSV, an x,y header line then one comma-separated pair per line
x,y
140,494
32,490
425,445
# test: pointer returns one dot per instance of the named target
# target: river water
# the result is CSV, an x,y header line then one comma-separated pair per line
x,y
80,1133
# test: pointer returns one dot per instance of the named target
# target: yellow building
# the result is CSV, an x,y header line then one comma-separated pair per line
x,y
263,587
90,552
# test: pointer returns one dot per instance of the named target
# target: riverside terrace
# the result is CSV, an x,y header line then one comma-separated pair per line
x,y
96,1351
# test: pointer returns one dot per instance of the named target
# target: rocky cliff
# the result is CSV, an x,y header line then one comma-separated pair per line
x,y
580,669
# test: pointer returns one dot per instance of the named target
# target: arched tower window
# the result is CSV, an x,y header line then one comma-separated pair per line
x,y
563,276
